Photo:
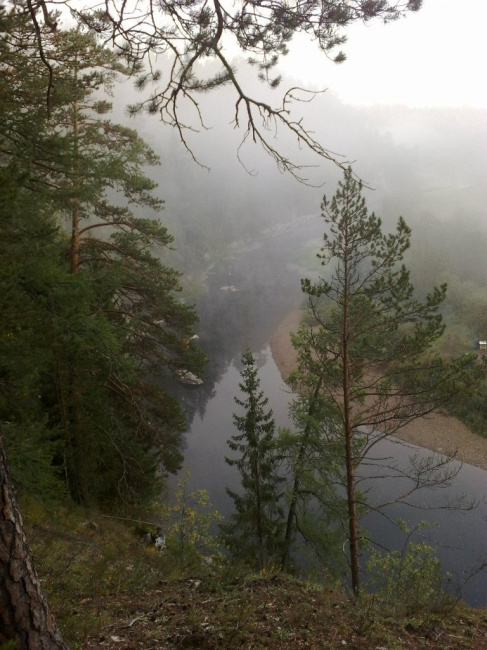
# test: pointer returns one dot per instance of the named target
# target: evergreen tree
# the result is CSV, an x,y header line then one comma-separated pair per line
x,y
100,316
25,619
314,468
32,271
369,345
255,530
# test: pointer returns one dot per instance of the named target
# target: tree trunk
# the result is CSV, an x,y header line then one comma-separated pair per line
x,y
75,215
352,513
350,464
24,614
348,429
291,517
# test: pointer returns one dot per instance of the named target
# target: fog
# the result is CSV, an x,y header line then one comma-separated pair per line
x,y
237,220
426,164
224,196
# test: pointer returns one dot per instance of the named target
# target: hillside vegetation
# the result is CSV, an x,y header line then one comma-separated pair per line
x,y
109,590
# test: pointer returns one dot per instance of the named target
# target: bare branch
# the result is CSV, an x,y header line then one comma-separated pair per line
x,y
194,31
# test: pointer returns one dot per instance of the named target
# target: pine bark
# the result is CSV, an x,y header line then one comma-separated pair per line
x,y
348,429
24,613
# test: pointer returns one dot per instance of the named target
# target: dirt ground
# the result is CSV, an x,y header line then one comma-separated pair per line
x,y
438,432
275,613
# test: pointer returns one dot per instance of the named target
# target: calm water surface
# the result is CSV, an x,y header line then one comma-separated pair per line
x,y
267,282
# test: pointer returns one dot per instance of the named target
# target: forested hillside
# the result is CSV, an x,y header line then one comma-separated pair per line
x,y
126,177
89,309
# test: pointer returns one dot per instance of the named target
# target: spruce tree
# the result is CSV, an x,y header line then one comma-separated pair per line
x,y
254,532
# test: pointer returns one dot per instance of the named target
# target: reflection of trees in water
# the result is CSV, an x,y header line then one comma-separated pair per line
x,y
268,287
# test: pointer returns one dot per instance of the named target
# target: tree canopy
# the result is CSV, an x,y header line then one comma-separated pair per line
x,y
90,313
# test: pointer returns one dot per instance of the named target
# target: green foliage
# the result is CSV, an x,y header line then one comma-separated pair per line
x,y
85,561
366,359
99,576
31,448
314,465
189,524
89,318
470,405
409,582
468,305
254,533
31,280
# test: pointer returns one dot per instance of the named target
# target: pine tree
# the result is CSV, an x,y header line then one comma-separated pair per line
x,y
255,530
112,319
369,346
31,271
185,36
25,618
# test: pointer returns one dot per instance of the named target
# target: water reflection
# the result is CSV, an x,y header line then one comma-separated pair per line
x,y
459,535
267,282
268,287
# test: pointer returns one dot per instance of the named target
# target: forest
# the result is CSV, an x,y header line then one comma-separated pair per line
x,y
114,213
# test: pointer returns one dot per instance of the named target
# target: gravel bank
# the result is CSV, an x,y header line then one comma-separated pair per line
x,y
438,432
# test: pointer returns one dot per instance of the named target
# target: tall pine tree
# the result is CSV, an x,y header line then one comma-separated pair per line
x,y
369,345
112,319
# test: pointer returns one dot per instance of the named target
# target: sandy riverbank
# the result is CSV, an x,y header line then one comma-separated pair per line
x,y
438,432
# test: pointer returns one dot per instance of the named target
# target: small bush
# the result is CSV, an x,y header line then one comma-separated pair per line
x,y
187,525
471,407
409,583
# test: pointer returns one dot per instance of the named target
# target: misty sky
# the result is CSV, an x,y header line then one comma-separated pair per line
x,y
436,57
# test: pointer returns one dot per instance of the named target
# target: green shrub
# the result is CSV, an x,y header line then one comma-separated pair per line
x,y
409,583
189,523
471,407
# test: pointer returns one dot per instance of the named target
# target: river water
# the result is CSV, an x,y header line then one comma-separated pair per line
x,y
266,280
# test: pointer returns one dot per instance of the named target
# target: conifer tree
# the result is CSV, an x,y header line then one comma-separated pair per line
x,y
25,619
369,345
110,311
314,466
255,530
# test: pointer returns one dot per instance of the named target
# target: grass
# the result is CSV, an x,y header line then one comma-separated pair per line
x,y
87,561
108,590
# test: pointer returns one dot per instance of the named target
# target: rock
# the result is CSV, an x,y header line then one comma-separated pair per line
x,y
188,378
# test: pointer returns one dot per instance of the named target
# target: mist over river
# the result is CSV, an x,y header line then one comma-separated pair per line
x,y
247,297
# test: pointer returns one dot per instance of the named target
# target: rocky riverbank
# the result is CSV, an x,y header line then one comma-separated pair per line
x,y
439,432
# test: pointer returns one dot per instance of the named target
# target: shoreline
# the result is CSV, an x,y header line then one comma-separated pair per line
x,y
437,432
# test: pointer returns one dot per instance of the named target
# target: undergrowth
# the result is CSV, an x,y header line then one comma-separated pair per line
x,y
105,584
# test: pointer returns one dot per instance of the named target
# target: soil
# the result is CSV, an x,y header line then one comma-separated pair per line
x,y
276,613
438,432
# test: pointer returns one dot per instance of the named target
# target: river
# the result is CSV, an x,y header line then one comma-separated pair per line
x,y
260,286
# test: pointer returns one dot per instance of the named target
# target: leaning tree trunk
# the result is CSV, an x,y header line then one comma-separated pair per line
x,y
24,614
291,517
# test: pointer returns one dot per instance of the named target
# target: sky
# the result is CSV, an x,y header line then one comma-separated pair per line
x,y
435,57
